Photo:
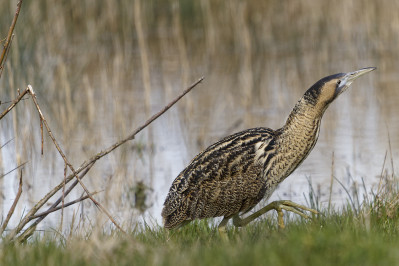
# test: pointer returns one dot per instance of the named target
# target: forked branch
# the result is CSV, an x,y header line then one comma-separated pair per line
x,y
82,198
85,167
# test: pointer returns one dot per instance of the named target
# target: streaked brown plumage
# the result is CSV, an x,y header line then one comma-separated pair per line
x,y
231,176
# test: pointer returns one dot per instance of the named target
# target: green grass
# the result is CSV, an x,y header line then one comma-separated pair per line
x,y
91,100
338,238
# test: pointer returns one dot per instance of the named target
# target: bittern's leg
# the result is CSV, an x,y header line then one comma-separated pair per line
x,y
222,228
279,206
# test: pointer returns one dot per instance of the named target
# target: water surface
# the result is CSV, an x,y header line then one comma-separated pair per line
x,y
100,73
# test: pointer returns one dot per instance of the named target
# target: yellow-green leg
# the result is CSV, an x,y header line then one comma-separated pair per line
x,y
222,228
279,206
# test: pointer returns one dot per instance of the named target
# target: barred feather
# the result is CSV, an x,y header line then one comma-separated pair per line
x,y
234,174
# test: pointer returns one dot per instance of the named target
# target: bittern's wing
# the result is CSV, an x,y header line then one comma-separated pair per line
x,y
222,180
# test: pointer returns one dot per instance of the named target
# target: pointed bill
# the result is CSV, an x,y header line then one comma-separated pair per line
x,y
348,78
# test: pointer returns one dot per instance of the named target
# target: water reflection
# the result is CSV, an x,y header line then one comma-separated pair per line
x,y
258,58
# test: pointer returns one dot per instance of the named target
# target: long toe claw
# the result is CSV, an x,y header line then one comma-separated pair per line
x,y
297,206
294,207
294,210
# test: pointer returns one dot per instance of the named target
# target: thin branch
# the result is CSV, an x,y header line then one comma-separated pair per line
x,y
135,132
101,154
7,43
6,55
64,206
66,192
63,196
67,162
6,143
27,233
19,166
14,204
24,99
85,167
14,103
155,116
28,217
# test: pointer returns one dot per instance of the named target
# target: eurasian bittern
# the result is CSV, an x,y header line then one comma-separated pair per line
x,y
231,176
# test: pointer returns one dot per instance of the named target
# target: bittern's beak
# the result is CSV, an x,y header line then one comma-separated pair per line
x,y
348,78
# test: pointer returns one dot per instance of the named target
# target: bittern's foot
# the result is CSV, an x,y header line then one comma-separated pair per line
x,y
288,205
279,206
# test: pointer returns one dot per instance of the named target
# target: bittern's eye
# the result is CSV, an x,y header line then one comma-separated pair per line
x,y
338,82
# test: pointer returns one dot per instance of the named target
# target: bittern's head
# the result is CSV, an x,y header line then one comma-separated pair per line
x,y
323,92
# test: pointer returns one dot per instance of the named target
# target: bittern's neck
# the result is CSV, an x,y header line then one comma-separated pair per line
x,y
303,117
299,134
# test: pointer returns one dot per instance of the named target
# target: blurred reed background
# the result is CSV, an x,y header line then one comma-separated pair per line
x,y
100,68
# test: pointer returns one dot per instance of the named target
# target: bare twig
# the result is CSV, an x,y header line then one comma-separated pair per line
x,y
27,233
14,204
24,99
166,108
63,206
136,131
14,103
63,196
102,208
28,217
6,55
101,154
85,167
7,43
66,192
19,166
8,141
